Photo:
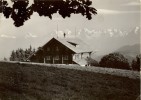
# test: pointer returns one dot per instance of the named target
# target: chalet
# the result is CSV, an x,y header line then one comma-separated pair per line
x,y
62,51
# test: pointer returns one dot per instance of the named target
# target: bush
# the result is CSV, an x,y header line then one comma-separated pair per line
x,y
92,62
114,60
136,63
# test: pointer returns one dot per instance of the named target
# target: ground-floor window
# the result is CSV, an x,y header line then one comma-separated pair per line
x,y
56,57
48,57
65,57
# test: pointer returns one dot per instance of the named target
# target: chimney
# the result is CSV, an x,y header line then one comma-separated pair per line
x,y
64,35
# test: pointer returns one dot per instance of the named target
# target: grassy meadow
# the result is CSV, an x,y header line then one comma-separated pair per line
x,y
38,82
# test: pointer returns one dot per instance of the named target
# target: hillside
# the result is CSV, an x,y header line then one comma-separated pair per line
x,y
40,82
130,51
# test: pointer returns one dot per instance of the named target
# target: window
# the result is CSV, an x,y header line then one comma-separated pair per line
x,y
48,49
48,57
57,49
56,58
65,57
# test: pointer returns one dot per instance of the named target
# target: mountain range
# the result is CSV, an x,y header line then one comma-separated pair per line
x,y
127,43
129,51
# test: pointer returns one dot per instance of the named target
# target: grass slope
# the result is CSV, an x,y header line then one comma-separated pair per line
x,y
36,82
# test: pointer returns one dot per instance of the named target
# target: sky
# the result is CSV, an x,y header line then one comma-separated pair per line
x,y
109,30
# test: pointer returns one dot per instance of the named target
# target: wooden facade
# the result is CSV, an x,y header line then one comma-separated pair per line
x,y
53,52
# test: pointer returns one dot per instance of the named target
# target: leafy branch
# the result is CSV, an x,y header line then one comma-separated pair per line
x,y
21,12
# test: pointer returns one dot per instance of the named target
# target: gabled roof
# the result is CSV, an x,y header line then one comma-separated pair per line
x,y
79,47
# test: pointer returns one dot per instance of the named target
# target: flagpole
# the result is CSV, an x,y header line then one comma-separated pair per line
x,y
57,30
75,32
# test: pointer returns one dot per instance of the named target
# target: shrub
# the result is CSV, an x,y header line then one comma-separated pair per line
x,y
92,62
114,60
136,63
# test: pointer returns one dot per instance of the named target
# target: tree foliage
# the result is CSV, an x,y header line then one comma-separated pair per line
x,y
114,60
21,12
4,59
21,55
136,63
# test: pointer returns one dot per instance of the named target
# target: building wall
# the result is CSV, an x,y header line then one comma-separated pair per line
x,y
81,55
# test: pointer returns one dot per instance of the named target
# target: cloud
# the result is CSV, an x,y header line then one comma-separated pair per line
x,y
92,33
67,31
30,35
61,33
7,36
137,29
132,4
110,32
89,31
107,11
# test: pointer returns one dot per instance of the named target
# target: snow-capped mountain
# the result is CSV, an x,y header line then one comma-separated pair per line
x,y
110,40
110,32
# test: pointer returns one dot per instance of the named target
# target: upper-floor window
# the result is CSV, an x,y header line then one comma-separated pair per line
x,y
57,49
65,57
48,57
56,57
48,49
